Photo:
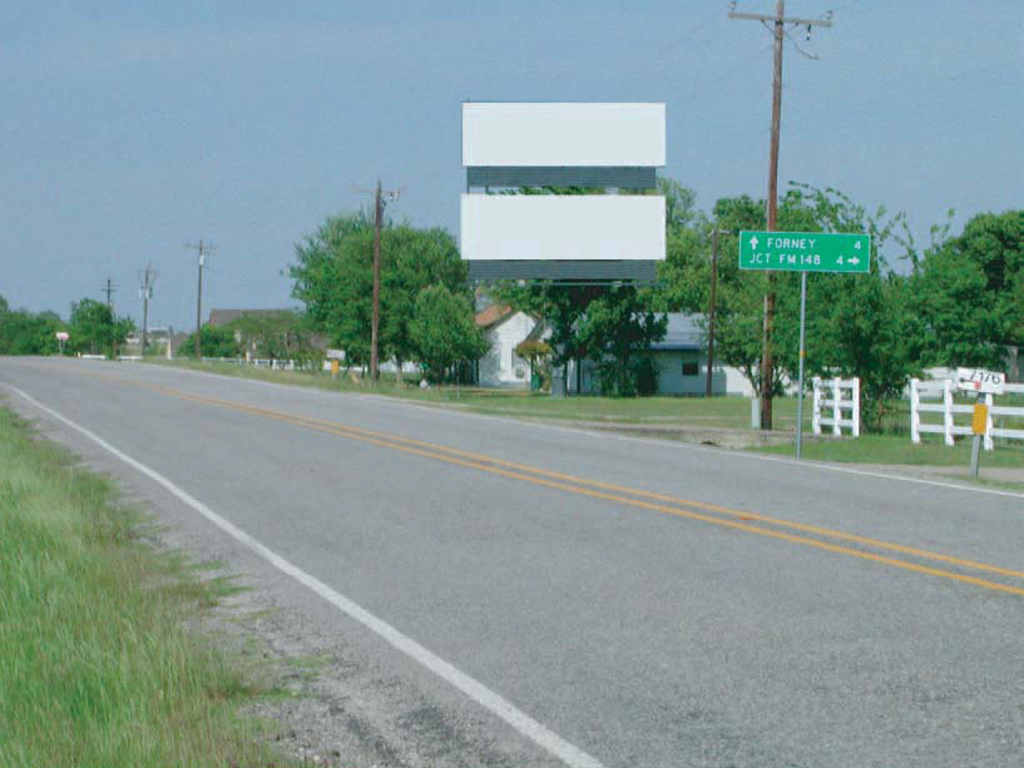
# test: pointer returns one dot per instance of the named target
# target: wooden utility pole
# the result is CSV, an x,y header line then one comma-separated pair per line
x,y
778,28
712,303
109,289
380,199
378,214
203,250
147,278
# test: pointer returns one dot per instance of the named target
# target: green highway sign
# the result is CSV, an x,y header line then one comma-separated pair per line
x,y
805,251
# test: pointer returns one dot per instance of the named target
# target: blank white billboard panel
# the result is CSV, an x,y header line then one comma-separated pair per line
x,y
557,134
563,227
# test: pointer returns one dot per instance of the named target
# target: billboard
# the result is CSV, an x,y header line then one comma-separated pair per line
x,y
530,134
563,227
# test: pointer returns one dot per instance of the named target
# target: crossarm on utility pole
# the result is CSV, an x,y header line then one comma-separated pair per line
x,y
783,20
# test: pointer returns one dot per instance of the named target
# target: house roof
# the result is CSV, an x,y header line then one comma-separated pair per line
x,y
493,315
684,333
219,317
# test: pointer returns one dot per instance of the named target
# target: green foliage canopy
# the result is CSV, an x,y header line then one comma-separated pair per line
x,y
444,332
216,341
27,333
969,295
334,279
94,329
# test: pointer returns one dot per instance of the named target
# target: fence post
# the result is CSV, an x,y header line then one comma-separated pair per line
x,y
816,408
856,407
947,410
989,443
837,411
915,414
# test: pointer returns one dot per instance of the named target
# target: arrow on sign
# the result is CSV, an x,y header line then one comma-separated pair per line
x,y
753,242
853,260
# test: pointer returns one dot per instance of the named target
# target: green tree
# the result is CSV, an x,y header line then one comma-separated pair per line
x,y
216,341
26,333
968,292
538,354
272,335
444,331
333,278
94,328
618,330
417,259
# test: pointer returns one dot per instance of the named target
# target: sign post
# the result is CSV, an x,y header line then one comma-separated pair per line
x,y
979,420
800,393
804,252
62,336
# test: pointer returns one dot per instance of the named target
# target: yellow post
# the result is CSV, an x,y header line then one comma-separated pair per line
x,y
978,424
980,419
335,366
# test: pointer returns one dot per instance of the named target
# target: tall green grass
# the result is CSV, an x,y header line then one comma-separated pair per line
x,y
96,670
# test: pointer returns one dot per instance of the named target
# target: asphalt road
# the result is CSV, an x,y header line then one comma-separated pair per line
x,y
558,597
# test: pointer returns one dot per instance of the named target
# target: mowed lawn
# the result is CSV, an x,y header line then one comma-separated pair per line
x,y
893,446
96,670
726,412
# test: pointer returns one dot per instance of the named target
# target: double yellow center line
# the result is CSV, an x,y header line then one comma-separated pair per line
x,y
762,525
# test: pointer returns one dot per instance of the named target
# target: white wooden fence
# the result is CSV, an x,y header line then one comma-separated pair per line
x,y
942,390
828,394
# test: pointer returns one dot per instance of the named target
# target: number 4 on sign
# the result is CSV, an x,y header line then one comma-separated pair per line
x,y
857,245
839,260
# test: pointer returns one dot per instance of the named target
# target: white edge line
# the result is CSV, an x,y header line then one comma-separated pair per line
x,y
478,692
525,423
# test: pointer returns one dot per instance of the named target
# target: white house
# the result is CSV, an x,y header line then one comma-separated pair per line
x,y
683,364
681,357
501,366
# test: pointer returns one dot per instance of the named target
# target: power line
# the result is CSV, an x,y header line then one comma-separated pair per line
x,y
725,76
645,67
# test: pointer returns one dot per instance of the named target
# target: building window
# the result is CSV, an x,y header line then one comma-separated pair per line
x,y
691,368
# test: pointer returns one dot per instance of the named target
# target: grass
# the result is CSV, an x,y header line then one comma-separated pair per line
x,y
895,449
731,412
727,412
96,669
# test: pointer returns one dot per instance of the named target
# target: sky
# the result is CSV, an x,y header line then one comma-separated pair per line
x,y
129,129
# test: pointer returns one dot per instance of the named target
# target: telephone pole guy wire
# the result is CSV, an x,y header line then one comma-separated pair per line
x,y
778,27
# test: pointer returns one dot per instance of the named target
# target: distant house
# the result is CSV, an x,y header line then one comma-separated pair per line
x,y
681,357
157,339
683,362
505,328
